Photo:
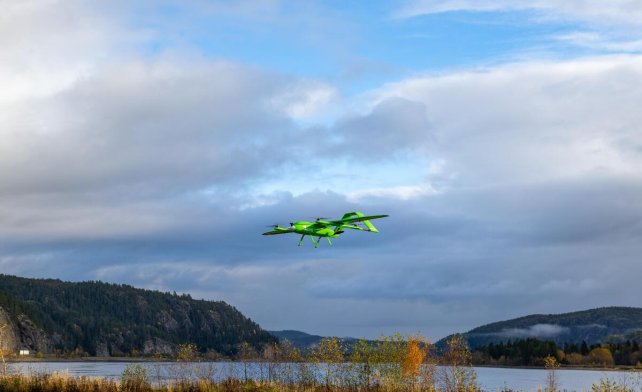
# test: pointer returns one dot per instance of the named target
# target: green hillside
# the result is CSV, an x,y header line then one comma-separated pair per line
x,y
300,340
109,319
592,326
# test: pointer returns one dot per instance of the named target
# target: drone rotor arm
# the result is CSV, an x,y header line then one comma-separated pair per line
x,y
282,231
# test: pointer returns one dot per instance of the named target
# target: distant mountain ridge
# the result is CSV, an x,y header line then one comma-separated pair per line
x,y
47,315
592,326
305,341
300,340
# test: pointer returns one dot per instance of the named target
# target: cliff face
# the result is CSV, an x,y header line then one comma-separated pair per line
x,y
107,319
32,337
8,339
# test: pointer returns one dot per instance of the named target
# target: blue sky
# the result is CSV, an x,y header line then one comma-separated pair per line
x,y
150,144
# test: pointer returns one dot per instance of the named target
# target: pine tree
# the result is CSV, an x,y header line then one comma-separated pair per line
x,y
584,350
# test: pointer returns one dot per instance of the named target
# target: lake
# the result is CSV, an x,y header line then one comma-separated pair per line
x,y
489,379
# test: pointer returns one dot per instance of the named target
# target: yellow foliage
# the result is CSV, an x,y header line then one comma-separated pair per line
x,y
600,356
415,355
187,353
551,362
328,350
574,358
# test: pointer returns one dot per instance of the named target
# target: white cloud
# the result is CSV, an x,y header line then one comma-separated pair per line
x,y
141,123
48,45
595,40
529,122
306,100
616,11
398,192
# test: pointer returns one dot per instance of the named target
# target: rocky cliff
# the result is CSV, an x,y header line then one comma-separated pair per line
x,y
8,339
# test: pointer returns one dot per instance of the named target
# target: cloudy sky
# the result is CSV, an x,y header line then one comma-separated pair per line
x,y
151,142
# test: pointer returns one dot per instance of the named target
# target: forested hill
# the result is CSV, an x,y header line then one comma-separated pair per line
x,y
305,342
592,326
96,318
300,340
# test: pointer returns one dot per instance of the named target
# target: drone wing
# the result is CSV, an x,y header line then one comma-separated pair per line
x,y
282,231
349,219
355,219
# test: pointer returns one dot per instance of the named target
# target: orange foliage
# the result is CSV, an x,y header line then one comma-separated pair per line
x,y
415,355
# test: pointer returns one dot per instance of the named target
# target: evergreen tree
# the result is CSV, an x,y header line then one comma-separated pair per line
x,y
584,350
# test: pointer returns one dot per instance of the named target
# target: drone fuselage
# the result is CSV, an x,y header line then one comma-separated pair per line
x,y
304,228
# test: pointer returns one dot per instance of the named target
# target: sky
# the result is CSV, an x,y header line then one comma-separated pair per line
x,y
150,143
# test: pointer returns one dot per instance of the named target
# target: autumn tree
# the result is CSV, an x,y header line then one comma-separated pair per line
x,y
390,354
3,328
289,359
392,361
183,369
574,358
457,374
270,356
187,353
363,361
329,355
415,355
600,356
414,367
245,354
551,365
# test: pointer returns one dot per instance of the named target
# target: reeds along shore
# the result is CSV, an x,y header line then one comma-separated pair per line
x,y
61,382
136,379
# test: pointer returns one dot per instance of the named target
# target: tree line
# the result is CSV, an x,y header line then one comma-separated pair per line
x,y
532,352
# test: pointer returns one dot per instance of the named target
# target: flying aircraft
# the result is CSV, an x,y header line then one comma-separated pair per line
x,y
327,228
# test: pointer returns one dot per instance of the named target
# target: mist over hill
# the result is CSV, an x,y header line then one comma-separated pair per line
x,y
96,318
592,326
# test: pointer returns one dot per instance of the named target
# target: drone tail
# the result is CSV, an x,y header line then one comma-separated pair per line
x,y
370,226
367,223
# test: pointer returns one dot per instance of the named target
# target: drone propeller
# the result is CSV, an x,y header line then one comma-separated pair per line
x,y
275,225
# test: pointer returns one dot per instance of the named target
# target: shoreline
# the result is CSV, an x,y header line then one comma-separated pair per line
x,y
157,360
565,367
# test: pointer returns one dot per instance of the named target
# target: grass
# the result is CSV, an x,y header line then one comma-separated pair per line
x,y
62,382
137,382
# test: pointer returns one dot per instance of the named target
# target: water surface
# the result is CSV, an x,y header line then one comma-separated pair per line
x,y
489,379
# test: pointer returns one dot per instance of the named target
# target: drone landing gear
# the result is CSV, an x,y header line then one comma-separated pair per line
x,y
315,242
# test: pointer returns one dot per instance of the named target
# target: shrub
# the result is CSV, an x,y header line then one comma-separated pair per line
x,y
135,379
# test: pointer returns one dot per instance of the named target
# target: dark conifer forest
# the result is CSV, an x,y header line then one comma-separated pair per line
x,y
96,318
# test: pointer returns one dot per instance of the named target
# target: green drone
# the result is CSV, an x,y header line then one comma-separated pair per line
x,y
328,228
